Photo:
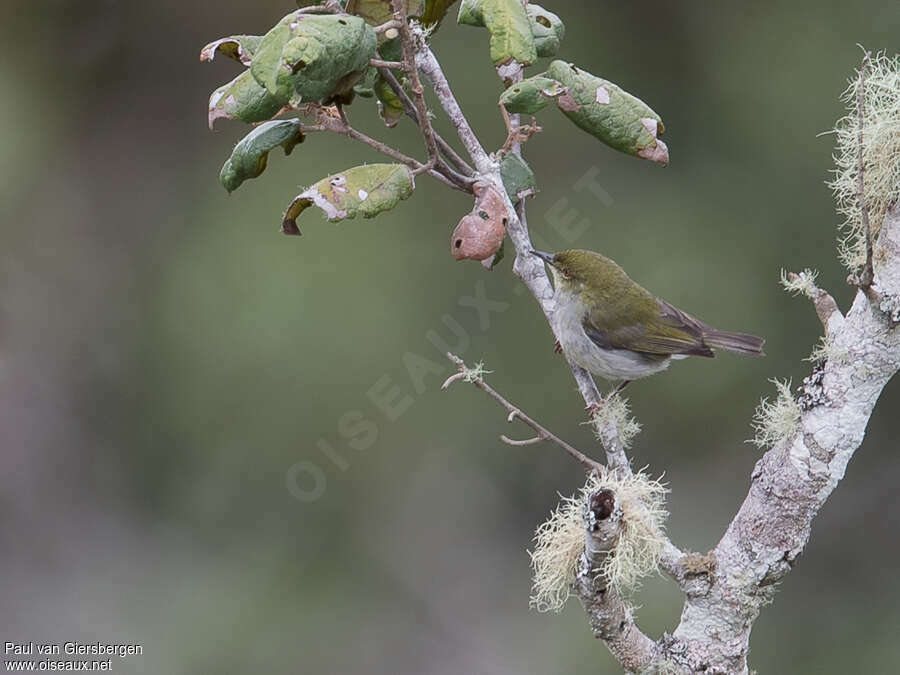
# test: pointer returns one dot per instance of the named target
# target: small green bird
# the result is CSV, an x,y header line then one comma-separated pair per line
x,y
614,328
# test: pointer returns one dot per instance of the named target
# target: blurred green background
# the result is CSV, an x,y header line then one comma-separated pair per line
x,y
167,356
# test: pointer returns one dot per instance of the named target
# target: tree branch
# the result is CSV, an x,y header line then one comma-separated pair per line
x,y
609,616
526,266
868,275
726,588
410,110
825,306
341,126
544,434
428,64
408,44
380,63
796,476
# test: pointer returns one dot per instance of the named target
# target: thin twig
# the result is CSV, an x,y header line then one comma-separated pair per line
x,y
407,42
514,412
386,26
379,63
868,273
341,126
516,133
433,72
410,109
527,441
824,304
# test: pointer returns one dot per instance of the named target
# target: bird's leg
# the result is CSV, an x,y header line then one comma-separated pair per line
x,y
557,348
622,385
594,408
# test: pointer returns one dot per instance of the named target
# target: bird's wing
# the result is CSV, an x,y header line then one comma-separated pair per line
x,y
659,331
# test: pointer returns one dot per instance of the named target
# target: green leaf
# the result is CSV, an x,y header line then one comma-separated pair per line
x,y
238,47
390,108
508,24
391,50
605,111
363,190
470,13
243,99
531,95
547,28
313,57
435,10
366,84
518,178
249,157
377,12
494,260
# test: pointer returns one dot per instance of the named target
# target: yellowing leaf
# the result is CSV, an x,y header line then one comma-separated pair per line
x,y
363,190
237,47
249,157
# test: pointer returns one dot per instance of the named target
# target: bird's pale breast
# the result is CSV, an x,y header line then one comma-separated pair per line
x,y
610,364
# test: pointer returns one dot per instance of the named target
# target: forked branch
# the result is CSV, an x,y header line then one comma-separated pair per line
x,y
474,375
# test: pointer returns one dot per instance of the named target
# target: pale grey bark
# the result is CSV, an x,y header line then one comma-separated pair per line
x,y
794,478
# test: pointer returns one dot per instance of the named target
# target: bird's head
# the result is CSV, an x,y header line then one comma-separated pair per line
x,y
576,270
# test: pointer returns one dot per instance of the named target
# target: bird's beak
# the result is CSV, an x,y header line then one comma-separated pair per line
x,y
546,257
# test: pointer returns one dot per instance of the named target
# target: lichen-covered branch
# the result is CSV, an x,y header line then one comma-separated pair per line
x,y
794,478
609,615
810,440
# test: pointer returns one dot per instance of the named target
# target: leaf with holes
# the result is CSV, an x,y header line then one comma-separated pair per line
x,y
605,111
479,234
313,57
243,99
249,157
361,191
531,95
238,47
518,178
547,28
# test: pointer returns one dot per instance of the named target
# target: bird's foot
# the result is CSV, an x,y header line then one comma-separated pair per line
x,y
593,409
557,348
622,385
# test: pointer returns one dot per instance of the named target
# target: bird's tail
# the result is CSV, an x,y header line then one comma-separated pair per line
x,y
742,343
